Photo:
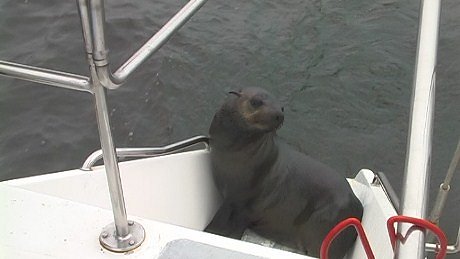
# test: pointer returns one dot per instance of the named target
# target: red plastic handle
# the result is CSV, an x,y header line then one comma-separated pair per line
x,y
338,229
419,223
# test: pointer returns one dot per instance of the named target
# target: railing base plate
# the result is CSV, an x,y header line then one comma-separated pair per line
x,y
112,242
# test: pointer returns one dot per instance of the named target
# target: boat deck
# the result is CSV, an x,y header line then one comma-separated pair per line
x,y
173,197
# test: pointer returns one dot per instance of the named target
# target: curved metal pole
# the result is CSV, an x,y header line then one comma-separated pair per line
x,y
417,170
113,81
146,152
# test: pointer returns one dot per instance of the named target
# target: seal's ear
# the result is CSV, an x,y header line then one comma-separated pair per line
x,y
235,93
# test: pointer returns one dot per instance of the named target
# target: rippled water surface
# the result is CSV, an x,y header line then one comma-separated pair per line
x,y
343,70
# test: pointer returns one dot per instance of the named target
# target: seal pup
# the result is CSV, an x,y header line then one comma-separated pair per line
x,y
269,187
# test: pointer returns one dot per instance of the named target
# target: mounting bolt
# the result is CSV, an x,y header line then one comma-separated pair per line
x,y
130,222
131,242
104,234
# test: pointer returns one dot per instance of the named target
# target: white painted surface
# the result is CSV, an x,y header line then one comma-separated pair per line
x,y
377,210
41,226
176,189
61,215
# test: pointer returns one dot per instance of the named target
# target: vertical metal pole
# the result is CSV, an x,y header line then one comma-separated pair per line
x,y
86,28
110,162
97,13
122,235
417,170
105,135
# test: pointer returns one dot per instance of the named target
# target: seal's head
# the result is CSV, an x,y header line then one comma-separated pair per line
x,y
256,110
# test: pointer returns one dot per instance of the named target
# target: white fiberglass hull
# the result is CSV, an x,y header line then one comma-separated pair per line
x,y
61,215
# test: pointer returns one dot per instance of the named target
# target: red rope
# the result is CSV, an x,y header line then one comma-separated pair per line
x,y
338,229
420,223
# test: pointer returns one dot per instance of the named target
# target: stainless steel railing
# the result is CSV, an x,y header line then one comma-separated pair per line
x,y
122,235
146,152
45,76
113,81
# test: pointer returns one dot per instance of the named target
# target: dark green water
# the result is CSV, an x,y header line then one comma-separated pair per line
x,y
343,70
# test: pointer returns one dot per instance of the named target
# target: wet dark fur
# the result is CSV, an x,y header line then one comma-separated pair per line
x,y
268,186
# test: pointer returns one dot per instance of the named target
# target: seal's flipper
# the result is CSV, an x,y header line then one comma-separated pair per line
x,y
227,223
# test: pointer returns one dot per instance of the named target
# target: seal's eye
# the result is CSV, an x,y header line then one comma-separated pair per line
x,y
256,103
235,93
